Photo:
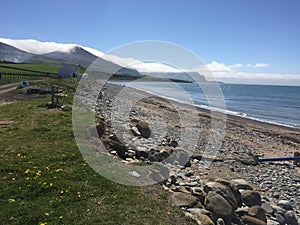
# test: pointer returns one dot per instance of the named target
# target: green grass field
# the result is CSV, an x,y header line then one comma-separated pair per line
x,y
45,180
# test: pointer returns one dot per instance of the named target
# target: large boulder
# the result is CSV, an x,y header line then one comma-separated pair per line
x,y
251,198
257,212
241,184
226,190
218,205
249,220
183,199
143,128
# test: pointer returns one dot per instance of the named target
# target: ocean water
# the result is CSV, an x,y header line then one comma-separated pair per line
x,y
268,103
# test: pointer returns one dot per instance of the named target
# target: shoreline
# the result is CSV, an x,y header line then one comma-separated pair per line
x,y
224,111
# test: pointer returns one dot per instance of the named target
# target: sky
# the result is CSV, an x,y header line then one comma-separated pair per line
x,y
248,41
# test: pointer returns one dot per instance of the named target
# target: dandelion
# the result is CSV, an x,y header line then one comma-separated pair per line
x,y
19,155
43,223
58,170
11,200
39,173
27,171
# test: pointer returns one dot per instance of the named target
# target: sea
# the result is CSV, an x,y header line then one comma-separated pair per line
x,y
267,103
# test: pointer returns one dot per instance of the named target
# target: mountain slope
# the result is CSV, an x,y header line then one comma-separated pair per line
x,y
76,55
11,54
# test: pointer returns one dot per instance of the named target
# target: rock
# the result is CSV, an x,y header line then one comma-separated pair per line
x,y
272,222
249,160
203,219
251,198
135,131
285,204
173,143
143,128
226,190
141,154
278,210
257,212
291,218
96,131
198,192
196,211
220,221
135,174
160,156
183,199
181,156
241,184
268,208
242,211
119,148
280,219
218,205
159,173
249,220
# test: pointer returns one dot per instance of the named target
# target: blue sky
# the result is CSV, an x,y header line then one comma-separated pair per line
x,y
253,36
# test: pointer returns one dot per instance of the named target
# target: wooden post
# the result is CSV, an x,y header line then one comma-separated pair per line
x,y
52,96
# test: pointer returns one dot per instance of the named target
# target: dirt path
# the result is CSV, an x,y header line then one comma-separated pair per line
x,y
8,87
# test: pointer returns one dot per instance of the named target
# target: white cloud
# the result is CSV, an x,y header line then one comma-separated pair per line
x,y
258,65
38,47
228,74
235,66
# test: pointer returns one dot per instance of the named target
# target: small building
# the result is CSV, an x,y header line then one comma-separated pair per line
x,y
67,72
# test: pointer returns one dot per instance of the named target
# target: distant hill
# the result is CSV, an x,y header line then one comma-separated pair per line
x,y
11,54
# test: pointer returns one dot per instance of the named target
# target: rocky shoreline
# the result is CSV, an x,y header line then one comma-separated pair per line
x,y
234,188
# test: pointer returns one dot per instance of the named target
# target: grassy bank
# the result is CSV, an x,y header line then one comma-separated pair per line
x,y
45,180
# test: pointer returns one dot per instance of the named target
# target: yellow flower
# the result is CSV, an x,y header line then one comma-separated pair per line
x,y
78,194
39,173
19,155
45,183
60,217
43,223
27,171
58,170
61,191
46,214
13,178
11,200
51,184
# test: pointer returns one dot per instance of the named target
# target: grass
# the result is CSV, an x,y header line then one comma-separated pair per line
x,y
47,68
45,180
18,79
36,67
